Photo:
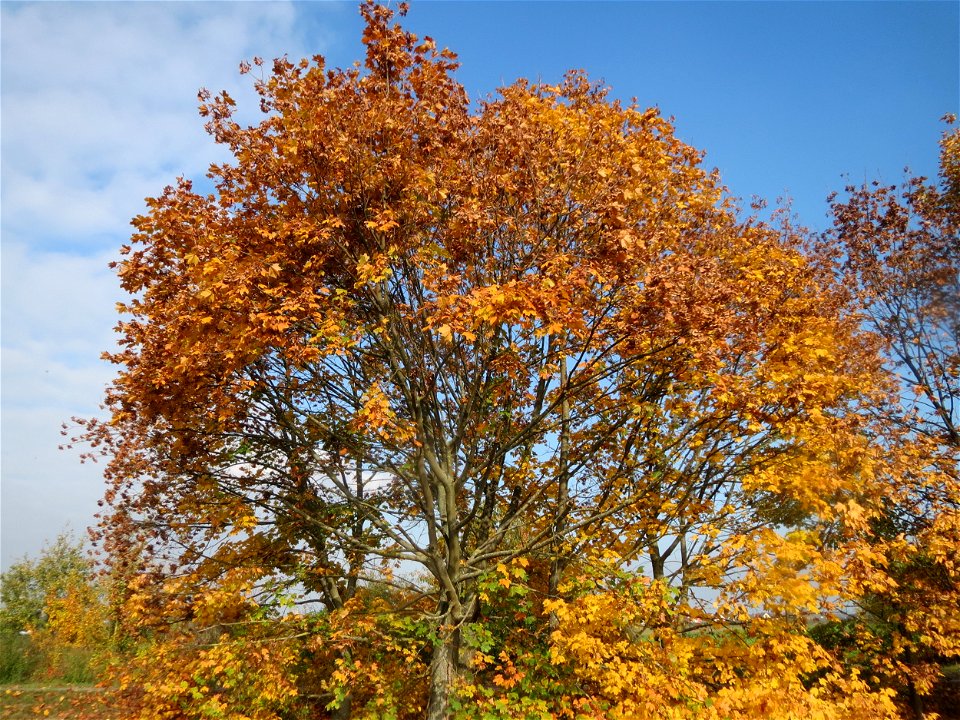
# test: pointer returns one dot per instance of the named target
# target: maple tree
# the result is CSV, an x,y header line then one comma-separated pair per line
x,y
898,251
434,409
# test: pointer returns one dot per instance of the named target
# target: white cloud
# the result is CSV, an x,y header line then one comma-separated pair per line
x,y
45,490
58,309
57,304
99,110
99,102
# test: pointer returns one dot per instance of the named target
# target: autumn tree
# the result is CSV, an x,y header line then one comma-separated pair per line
x,y
408,342
901,251
28,584
53,616
897,249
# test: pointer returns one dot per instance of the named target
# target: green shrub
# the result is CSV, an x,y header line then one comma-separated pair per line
x,y
20,658
73,665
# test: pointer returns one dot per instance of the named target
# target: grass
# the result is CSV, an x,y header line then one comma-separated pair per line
x,y
66,702
37,681
20,659
24,660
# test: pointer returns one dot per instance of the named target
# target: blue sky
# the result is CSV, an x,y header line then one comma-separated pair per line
x,y
99,111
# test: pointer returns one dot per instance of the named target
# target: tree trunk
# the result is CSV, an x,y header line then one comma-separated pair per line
x,y
914,697
559,561
344,709
916,700
444,671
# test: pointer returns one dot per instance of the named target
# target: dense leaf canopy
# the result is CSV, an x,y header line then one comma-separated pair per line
x,y
437,370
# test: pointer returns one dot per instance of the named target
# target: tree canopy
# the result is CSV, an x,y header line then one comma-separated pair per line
x,y
439,408
28,585
898,252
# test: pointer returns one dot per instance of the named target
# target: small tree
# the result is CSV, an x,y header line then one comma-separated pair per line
x,y
28,585
57,600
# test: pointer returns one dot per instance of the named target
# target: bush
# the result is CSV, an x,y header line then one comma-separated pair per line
x,y
20,658
40,657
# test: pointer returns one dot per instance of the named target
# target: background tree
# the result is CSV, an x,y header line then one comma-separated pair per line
x,y
28,585
410,343
53,621
898,251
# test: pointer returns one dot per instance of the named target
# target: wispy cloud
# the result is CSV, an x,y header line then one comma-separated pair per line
x,y
99,103
99,110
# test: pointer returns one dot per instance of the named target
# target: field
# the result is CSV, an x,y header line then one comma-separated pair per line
x,y
58,702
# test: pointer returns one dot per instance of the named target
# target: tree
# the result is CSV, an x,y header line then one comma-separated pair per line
x,y
28,585
901,253
898,251
56,601
407,343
